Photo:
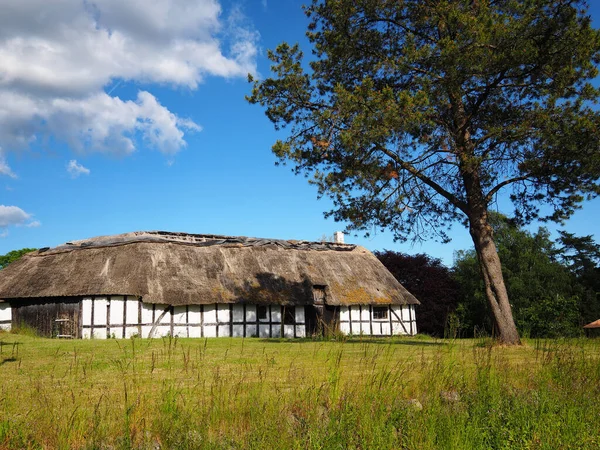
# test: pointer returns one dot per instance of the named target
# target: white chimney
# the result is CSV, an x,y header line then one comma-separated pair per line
x,y
338,237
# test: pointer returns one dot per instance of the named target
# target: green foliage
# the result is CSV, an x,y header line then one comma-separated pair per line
x,y
582,255
414,114
24,329
14,255
430,282
552,316
544,294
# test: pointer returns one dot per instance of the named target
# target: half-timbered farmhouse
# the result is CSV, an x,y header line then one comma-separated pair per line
x,y
154,284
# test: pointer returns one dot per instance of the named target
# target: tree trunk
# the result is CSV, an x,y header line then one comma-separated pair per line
x,y
495,289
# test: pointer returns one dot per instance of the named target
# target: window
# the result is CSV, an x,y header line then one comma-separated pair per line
x,y
380,312
289,315
261,312
319,295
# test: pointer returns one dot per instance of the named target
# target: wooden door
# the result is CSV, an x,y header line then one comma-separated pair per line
x,y
321,318
49,317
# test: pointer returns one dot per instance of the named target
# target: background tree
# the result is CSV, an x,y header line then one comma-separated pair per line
x,y
545,296
415,114
581,254
13,255
430,282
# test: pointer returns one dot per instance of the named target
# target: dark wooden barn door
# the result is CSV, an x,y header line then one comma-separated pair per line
x,y
50,319
321,318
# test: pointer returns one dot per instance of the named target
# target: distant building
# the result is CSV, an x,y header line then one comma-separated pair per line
x,y
158,283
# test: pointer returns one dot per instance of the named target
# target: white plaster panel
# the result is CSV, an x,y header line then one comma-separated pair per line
x,y
99,333
194,314
275,315
406,313
166,319
300,331
345,328
210,314
117,306
238,312
146,330
397,328
264,331
396,311
238,330
131,311
147,313
210,331
224,330
354,313
131,331
5,326
300,317
180,330
179,315
414,327
250,313
377,328
115,332
100,312
195,332
251,330
385,328
344,313
5,312
276,331
223,315
162,331
365,313
364,328
86,311
85,333
288,331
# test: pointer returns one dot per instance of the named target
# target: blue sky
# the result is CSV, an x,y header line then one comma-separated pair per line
x,y
107,125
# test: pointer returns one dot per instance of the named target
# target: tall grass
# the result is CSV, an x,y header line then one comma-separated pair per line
x,y
252,393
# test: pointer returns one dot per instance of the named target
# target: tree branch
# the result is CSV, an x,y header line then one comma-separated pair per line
x,y
429,182
499,186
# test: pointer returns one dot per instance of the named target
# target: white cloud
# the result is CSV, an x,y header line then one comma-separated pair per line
x,y
58,59
34,224
14,216
4,168
76,169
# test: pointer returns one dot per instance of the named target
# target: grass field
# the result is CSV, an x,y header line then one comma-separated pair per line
x,y
414,393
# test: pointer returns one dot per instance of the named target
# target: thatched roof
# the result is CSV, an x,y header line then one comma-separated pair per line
x,y
179,269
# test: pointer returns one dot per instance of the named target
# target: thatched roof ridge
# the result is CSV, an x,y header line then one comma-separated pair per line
x,y
180,268
199,240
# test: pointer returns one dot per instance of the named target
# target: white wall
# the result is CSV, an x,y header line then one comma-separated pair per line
x,y
361,319
122,316
5,316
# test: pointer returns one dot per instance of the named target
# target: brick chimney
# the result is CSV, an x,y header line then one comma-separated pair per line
x,y
338,237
